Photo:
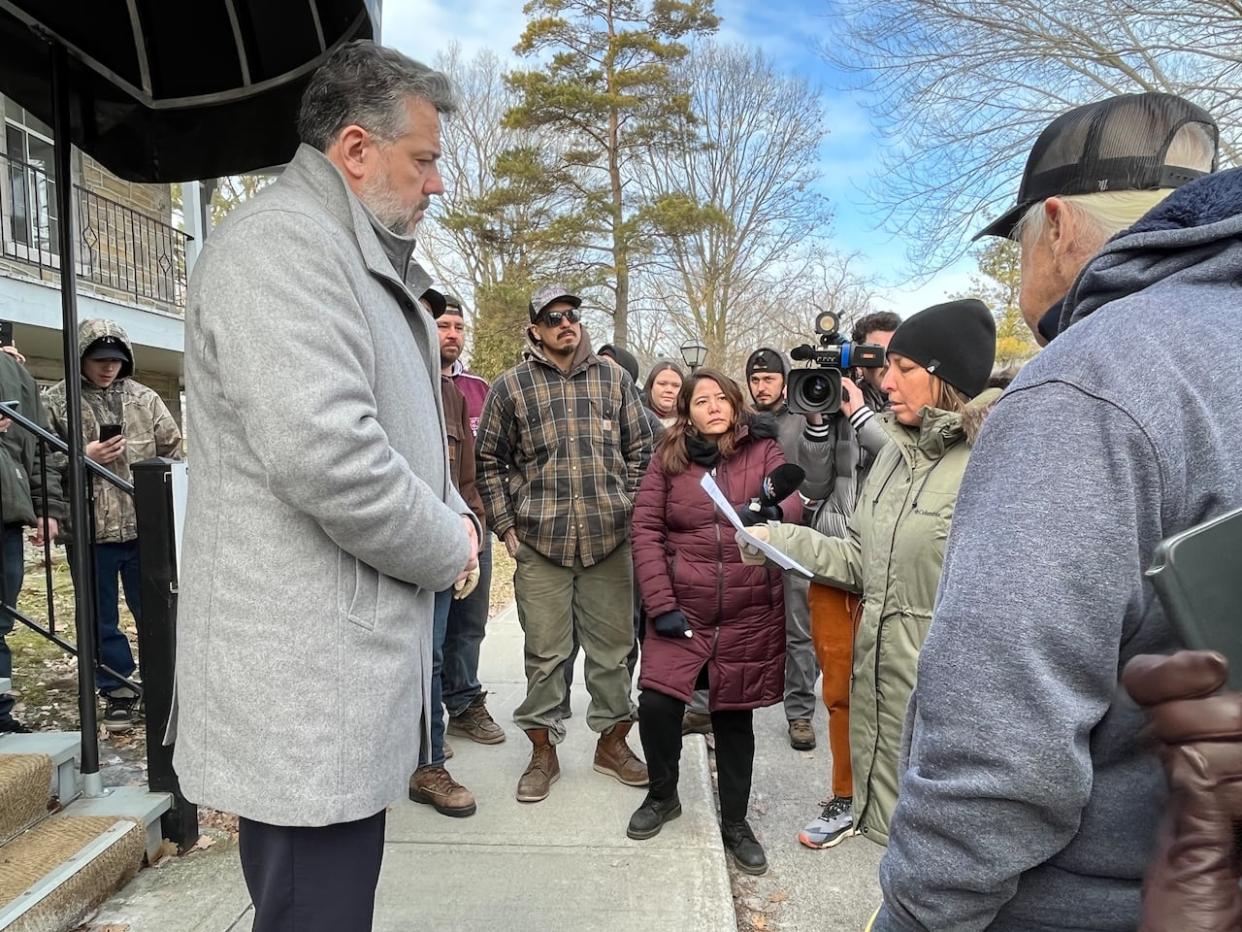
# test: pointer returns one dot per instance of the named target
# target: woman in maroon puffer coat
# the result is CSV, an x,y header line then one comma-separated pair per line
x,y
712,621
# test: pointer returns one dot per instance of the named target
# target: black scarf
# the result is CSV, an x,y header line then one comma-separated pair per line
x,y
704,452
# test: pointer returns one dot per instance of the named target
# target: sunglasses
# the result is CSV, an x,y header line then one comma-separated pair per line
x,y
554,318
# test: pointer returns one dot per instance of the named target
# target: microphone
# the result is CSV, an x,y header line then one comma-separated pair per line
x,y
777,486
803,353
780,483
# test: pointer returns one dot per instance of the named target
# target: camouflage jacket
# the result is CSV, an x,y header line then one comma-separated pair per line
x,y
149,429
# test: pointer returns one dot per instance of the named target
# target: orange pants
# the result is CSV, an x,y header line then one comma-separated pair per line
x,y
832,632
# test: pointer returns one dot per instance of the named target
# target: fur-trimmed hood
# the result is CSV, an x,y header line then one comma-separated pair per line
x,y
977,412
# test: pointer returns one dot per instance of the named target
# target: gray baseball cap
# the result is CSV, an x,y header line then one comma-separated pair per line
x,y
550,294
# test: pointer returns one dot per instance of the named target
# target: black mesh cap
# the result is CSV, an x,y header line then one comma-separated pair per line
x,y
435,300
1119,144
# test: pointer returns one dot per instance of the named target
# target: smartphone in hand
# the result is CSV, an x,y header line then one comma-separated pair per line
x,y
1198,576
110,431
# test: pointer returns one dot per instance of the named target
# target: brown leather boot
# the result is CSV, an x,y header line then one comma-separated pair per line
x,y
614,757
434,787
542,771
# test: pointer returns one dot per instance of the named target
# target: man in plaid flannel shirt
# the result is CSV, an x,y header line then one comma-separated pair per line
x,y
561,449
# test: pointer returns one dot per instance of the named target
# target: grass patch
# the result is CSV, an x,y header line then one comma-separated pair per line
x,y
502,577
45,677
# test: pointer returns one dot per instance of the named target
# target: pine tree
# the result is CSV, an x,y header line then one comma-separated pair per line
x,y
604,89
998,287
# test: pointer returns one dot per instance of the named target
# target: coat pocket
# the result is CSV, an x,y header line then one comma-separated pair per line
x,y
357,591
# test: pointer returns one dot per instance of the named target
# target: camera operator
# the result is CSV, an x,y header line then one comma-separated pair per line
x,y
870,399
833,610
815,443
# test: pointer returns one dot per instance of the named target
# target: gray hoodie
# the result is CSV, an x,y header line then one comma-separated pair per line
x,y
1030,801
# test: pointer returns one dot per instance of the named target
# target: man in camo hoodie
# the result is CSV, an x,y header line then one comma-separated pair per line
x,y
111,396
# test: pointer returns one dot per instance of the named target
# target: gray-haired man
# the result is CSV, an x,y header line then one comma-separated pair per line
x,y
322,519
1031,799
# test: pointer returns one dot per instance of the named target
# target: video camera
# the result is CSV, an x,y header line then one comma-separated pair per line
x,y
817,388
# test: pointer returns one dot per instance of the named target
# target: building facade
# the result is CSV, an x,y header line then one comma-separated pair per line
x,y
131,257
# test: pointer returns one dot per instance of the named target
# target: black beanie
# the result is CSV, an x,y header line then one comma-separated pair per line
x,y
954,341
766,360
624,358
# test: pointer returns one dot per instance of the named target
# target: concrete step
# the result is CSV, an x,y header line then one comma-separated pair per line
x,y
134,803
54,875
61,747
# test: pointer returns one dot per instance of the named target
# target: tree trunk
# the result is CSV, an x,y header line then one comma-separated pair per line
x,y
620,247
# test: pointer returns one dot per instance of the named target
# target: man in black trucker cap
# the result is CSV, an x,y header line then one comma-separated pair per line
x,y
1091,174
1031,797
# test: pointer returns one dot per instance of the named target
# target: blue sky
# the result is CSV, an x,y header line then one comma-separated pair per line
x,y
788,31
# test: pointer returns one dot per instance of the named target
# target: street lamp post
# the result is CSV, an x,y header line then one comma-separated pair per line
x,y
694,353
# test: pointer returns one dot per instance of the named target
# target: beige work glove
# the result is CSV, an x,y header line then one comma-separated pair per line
x,y
463,587
750,555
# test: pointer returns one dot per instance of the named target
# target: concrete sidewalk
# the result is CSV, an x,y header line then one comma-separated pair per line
x,y
564,863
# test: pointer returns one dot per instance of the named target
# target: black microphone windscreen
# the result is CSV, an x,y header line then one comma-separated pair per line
x,y
781,483
802,353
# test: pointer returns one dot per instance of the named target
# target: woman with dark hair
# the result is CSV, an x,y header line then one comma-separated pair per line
x,y
664,382
939,362
712,622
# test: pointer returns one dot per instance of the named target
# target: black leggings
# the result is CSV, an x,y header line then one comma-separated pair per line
x,y
659,727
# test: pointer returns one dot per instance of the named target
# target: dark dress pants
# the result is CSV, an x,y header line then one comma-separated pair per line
x,y
659,727
319,879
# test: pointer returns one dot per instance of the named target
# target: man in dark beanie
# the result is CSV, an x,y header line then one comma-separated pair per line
x,y
812,443
1032,795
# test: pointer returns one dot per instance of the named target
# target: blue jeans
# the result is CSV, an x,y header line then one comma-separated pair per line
x,y
444,601
11,549
113,562
467,623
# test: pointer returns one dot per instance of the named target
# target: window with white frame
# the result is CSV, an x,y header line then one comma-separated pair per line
x,y
29,191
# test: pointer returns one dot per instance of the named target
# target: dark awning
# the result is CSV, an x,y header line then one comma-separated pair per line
x,y
169,90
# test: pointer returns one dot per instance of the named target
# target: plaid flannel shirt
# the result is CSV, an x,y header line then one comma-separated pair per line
x,y
560,457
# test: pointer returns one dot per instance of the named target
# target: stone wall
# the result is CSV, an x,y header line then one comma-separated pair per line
x,y
151,199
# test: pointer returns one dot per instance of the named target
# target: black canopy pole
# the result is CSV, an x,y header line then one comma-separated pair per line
x,y
79,515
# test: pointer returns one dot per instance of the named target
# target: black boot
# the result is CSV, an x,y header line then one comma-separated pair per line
x,y
741,843
650,817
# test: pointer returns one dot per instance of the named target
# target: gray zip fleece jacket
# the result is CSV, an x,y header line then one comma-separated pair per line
x,y
1030,800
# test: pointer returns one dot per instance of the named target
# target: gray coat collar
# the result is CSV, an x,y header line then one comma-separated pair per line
x,y
311,171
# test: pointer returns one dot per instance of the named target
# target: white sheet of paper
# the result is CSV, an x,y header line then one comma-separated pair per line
x,y
726,509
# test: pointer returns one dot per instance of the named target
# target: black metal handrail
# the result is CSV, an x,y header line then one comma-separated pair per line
x,y
60,446
151,490
48,439
119,247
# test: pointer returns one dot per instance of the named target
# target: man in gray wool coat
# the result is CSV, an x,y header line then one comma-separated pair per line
x,y
321,518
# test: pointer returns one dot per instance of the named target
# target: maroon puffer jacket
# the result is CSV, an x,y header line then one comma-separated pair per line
x,y
685,558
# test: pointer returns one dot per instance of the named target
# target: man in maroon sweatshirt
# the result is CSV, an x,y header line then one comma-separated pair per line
x,y
464,697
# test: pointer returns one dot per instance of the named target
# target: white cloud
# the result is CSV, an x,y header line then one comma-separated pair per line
x,y
421,28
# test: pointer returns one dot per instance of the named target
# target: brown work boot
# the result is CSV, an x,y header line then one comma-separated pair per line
x,y
801,735
476,723
542,771
433,786
614,757
696,723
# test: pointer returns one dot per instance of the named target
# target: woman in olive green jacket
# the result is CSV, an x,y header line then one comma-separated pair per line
x,y
939,363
